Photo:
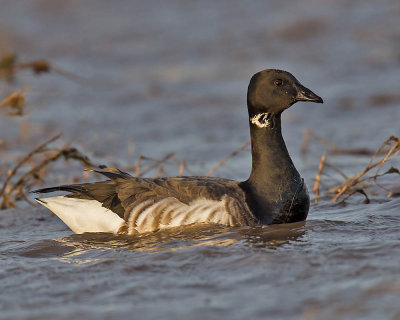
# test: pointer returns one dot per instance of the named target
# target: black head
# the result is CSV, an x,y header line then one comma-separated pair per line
x,y
272,91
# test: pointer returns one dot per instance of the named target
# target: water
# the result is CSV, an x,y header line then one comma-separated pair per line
x,y
164,77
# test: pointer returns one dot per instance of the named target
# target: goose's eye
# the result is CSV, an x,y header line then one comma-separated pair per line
x,y
278,82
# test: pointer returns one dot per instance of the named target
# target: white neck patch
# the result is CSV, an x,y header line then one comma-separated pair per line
x,y
262,120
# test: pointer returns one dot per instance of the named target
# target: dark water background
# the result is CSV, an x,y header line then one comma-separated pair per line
x,y
172,76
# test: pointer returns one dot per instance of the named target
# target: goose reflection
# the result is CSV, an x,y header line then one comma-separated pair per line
x,y
193,236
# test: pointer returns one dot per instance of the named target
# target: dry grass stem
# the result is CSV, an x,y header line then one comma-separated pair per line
x,y
329,165
159,172
224,160
138,166
25,159
11,192
37,66
9,67
394,148
330,146
43,66
16,102
318,176
71,76
155,164
182,167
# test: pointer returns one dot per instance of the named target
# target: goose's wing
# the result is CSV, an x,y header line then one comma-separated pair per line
x,y
148,204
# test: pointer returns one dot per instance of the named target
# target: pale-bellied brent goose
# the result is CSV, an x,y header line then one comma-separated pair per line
x,y
274,192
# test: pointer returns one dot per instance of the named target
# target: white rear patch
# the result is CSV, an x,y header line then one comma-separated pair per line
x,y
261,120
82,215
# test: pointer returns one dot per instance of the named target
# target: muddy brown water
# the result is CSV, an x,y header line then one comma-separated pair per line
x,y
161,77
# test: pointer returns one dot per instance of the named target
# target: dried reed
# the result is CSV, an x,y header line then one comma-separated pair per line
x,y
156,164
330,146
318,176
16,102
349,186
9,67
224,160
14,185
393,143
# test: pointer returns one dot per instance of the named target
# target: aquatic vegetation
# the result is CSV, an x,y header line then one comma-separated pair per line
x,y
359,183
15,102
331,148
34,167
31,169
9,66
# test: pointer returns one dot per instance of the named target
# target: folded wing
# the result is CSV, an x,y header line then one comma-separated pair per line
x,y
151,204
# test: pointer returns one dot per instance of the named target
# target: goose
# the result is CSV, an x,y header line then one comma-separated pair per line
x,y
274,193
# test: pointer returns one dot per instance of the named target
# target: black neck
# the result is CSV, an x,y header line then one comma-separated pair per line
x,y
273,172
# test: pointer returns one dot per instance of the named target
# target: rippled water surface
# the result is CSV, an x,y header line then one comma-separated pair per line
x,y
172,76
339,264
